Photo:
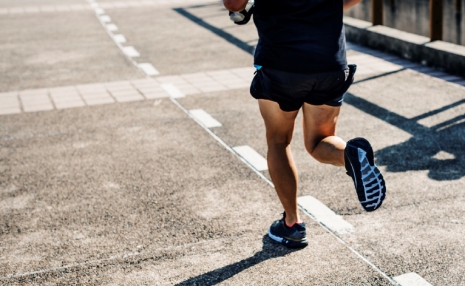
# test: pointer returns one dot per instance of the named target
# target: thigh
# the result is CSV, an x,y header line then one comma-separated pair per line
x,y
279,124
319,121
285,88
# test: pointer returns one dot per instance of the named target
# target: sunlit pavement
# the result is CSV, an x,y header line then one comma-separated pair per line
x,y
132,153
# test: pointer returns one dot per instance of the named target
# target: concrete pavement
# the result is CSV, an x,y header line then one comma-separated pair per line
x,y
136,192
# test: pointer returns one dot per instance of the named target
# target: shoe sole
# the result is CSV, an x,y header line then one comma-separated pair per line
x,y
287,242
359,156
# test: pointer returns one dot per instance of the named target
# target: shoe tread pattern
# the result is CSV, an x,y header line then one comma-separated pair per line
x,y
368,180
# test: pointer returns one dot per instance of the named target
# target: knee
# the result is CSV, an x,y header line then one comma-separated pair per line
x,y
310,146
278,140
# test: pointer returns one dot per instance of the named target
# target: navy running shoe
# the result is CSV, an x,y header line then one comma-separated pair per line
x,y
292,237
360,165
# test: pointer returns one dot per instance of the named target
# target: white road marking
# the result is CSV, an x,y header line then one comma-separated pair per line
x,y
227,147
148,69
252,156
172,90
204,118
99,11
112,27
120,38
324,215
130,51
105,18
411,279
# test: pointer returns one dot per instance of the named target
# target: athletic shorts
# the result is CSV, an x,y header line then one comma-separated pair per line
x,y
291,90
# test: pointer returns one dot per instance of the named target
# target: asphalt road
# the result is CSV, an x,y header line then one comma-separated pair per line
x,y
108,177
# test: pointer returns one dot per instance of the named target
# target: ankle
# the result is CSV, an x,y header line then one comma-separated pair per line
x,y
290,221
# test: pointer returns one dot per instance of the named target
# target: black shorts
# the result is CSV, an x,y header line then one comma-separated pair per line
x,y
291,90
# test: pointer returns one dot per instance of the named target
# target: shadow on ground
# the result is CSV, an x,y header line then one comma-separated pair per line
x,y
270,250
438,149
217,31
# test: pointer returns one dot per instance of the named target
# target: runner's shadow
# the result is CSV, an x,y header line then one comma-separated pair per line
x,y
440,149
270,250
442,153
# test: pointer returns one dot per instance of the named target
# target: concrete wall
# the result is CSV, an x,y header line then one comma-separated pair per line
x,y
413,17
448,56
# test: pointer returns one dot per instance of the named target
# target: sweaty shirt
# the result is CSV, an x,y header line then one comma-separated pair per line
x,y
300,36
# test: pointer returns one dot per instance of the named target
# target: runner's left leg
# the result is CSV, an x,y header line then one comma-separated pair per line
x,y
279,130
321,142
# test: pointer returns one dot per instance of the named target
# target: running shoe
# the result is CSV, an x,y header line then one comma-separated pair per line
x,y
292,237
360,165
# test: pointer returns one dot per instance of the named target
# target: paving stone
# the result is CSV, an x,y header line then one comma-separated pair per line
x,y
9,110
37,107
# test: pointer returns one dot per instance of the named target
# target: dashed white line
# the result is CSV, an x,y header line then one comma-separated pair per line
x,y
130,51
148,69
204,118
99,11
411,279
172,90
321,213
112,27
260,174
252,156
105,18
120,38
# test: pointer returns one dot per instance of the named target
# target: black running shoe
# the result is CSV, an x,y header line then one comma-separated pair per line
x,y
360,165
243,17
293,237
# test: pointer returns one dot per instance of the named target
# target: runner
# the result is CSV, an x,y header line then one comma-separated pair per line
x,y
301,64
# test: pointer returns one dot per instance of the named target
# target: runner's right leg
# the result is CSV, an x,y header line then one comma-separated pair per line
x,y
356,155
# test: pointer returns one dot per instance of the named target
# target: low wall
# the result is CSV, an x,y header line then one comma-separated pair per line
x,y
447,56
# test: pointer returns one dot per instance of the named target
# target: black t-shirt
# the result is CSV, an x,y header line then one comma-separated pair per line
x,y
301,36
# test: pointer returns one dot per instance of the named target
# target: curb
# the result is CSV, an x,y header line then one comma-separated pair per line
x,y
450,57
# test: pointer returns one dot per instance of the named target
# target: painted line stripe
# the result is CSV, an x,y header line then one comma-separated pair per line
x,y
411,279
324,215
120,38
130,51
227,147
105,18
252,156
99,11
112,27
172,90
148,69
204,118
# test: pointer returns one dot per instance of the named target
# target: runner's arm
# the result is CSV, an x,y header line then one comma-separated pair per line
x,y
236,5
347,3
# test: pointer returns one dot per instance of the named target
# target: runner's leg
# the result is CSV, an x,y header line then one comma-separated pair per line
x,y
279,130
321,142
